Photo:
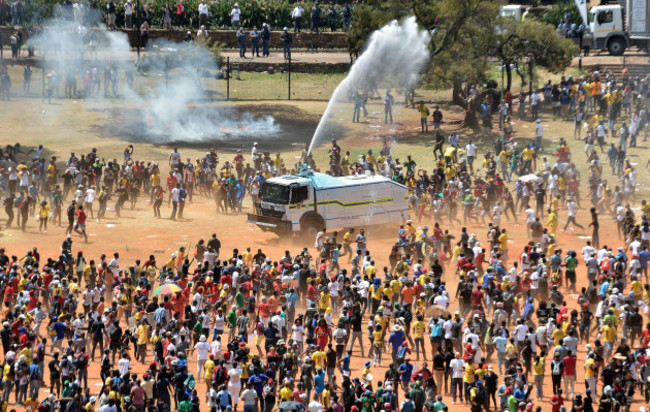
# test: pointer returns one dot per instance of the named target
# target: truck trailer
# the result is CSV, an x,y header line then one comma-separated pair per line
x,y
310,201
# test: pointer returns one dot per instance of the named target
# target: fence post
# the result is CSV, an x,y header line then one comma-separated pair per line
x,y
228,78
289,77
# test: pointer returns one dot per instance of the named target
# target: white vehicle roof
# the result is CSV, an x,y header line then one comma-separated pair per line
x,y
325,181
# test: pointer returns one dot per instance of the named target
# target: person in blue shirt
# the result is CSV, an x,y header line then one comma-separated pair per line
x,y
644,255
58,328
344,363
240,190
34,378
319,383
336,253
257,381
396,338
405,371
602,292
500,342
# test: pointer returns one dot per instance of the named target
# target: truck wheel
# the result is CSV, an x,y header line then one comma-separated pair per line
x,y
616,46
310,227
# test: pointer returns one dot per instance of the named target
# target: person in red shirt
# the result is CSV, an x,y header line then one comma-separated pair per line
x,y
80,227
323,333
171,184
569,373
645,336
557,401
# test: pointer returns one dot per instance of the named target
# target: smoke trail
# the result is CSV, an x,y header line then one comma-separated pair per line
x,y
396,52
168,111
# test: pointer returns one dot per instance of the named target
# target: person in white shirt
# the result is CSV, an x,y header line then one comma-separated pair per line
x,y
124,364
572,209
530,218
234,384
128,14
202,349
587,251
457,366
441,300
175,196
235,16
315,406
296,16
89,198
470,150
203,15
298,333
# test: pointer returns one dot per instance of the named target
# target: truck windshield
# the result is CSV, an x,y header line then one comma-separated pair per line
x,y
275,193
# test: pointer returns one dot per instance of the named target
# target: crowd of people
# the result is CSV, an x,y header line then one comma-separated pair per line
x,y
203,328
332,15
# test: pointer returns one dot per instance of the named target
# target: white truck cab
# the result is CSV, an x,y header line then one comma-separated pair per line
x,y
615,28
311,201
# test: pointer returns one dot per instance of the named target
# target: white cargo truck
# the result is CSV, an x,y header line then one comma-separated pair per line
x,y
310,201
615,27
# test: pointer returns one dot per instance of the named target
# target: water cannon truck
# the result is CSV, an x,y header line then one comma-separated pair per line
x,y
309,201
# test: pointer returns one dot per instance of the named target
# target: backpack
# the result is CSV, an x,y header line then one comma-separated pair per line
x,y
80,361
401,352
479,397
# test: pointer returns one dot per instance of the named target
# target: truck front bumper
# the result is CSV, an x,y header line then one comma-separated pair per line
x,y
270,223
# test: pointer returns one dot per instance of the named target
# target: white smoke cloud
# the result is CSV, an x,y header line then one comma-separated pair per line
x,y
169,112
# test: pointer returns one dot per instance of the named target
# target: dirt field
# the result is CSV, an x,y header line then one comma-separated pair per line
x,y
74,126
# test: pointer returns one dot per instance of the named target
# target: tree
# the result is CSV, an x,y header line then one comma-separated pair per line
x,y
535,41
467,37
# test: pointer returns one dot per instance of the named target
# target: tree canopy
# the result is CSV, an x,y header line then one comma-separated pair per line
x,y
467,39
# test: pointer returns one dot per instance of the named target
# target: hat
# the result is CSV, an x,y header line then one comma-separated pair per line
x,y
202,338
93,399
619,356
397,328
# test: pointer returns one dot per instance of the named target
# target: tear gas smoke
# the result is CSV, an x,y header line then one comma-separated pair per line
x,y
168,111
396,53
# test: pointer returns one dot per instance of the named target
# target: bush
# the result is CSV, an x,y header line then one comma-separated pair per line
x,y
277,13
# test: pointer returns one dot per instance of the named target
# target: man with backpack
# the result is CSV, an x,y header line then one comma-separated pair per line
x,y
81,366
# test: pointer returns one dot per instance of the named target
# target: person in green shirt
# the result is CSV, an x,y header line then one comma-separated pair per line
x,y
367,401
185,406
232,321
570,262
239,299
512,401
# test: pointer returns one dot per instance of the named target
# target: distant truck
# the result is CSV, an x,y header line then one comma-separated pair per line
x,y
616,27
310,201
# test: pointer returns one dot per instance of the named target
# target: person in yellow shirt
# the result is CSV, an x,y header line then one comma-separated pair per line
x,y
396,285
552,222
527,154
319,358
590,372
208,366
285,392
608,332
143,339
43,215
503,244
557,335
378,344
470,369
247,257
324,300
424,114
539,365
418,336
